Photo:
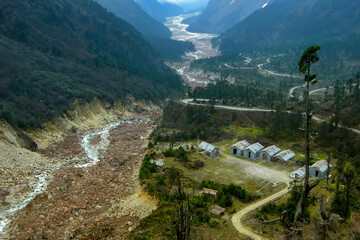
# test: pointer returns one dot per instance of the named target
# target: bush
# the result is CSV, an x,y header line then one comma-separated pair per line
x,y
214,223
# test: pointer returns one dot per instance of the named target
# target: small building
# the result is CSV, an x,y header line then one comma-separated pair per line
x,y
252,151
269,152
285,155
159,164
211,192
320,169
238,148
210,150
298,174
217,211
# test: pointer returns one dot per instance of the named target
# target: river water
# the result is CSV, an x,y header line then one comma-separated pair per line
x,y
203,49
41,180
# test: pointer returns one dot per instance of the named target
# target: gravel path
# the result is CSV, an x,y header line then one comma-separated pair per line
x,y
236,219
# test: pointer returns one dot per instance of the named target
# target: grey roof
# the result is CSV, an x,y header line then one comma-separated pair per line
x,y
217,210
157,163
207,147
321,165
286,155
241,145
272,150
300,172
256,147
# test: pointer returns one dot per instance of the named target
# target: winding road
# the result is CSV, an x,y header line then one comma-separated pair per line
x,y
236,219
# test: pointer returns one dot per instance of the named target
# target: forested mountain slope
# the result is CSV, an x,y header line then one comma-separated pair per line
x,y
156,33
288,21
221,15
160,10
55,51
136,16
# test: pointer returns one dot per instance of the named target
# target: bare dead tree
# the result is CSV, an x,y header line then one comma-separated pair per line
x,y
183,220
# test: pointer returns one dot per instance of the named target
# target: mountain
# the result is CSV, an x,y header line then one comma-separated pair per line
x,y
53,52
160,10
153,31
290,21
221,15
136,16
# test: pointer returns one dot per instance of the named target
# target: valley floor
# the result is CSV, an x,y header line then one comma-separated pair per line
x,y
81,198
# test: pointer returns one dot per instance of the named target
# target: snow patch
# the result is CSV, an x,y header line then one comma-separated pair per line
x,y
232,2
265,5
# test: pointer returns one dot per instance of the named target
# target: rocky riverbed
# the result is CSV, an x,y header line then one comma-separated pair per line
x,y
203,49
87,185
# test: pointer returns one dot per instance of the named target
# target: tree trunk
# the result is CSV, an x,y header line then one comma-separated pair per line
x,y
328,170
301,204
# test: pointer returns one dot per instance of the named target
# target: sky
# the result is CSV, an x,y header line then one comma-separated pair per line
x,y
183,1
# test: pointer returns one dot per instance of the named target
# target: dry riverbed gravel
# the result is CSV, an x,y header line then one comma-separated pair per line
x,y
100,202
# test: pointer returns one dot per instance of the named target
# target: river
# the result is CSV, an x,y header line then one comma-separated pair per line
x,y
41,180
203,49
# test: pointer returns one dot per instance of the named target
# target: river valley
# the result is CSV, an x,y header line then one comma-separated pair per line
x,y
203,49
90,183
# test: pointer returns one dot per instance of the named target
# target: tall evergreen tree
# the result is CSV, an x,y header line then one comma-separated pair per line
x,y
308,58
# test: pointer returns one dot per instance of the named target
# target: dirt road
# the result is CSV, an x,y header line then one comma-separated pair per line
x,y
236,219
260,172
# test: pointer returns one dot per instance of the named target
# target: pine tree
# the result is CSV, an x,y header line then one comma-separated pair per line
x,y
308,58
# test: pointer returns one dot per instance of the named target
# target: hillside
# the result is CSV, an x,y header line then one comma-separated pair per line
x,y
153,31
53,52
136,16
221,15
160,10
289,21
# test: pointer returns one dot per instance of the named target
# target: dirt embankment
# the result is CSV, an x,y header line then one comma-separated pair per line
x,y
101,201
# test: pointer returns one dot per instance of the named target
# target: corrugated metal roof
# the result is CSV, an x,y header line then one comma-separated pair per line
x,y
300,172
157,163
217,211
209,191
286,155
255,147
207,146
321,165
241,145
272,150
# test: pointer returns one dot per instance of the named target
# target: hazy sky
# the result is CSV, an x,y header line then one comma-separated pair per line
x,y
181,1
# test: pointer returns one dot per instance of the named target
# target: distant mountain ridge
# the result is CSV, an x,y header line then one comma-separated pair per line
x,y
160,10
53,52
156,33
136,16
286,21
221,15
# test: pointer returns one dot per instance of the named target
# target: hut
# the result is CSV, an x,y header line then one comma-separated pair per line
x,y
252,151
269,152
320,169
238,148
298,174
159,164
217,211
211,192
210,150
285,155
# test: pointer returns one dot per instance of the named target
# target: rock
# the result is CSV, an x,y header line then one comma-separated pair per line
x,y
38,235
4,192
47,234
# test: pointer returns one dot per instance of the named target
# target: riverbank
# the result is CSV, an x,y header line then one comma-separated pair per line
x,y
68,154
